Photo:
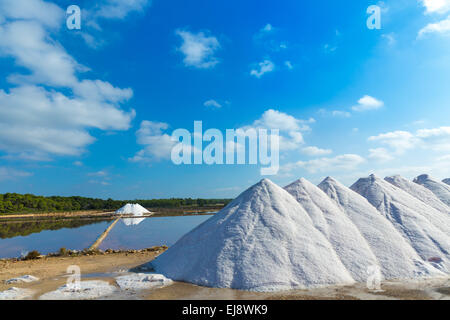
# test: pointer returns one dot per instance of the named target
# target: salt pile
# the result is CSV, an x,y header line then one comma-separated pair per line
x,y
134,209
262,241
426,229
419,192
447,181
348,242
440,189
397,259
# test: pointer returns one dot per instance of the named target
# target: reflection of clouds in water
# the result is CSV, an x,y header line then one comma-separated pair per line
x,y
132,221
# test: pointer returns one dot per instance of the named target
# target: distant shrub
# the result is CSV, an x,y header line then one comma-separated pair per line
x,y
32,255
62,252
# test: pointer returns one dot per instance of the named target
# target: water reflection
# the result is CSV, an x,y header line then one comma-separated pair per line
x,y
132,221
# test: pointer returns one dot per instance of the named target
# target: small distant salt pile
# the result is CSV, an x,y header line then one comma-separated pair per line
x,y
397,258
134,209
262,241
440,189
446,181
348,242
419,192
424,227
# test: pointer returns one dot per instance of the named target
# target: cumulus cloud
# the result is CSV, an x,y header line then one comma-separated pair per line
x,y
345,162
436,139
263,68
198,49
290,128
368,103
315,151
436,6
441,27
50,110
158,145
213,104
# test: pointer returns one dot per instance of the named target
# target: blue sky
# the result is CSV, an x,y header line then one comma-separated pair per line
x,y
90,112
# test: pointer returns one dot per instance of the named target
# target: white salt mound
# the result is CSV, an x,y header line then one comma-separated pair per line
x,y
440,189
139,281
23,279
16,294
262,241
88,290
446,181
419,192
348,242
423,226
134,209
397,258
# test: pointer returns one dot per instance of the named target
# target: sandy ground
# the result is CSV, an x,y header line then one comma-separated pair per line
x,y
52,273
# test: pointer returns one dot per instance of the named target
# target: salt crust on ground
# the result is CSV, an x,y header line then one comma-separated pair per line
x,y
139,281
93,289
23,279
14,293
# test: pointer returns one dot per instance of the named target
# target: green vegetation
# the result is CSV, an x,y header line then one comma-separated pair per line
x,y
32,255
28,203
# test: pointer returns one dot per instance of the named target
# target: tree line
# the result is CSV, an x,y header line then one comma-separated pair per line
x,y
29,203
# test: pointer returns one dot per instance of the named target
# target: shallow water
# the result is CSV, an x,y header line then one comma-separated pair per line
x,y
125,235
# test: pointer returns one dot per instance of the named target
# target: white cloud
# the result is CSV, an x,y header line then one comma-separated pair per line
x,y
45,13
339,113
119,9
290,128
400,141
158,145
441,27
368,103
11,174
436,6
315,151
436,139
50,110
264,67
198,49
380,155
78,163
339,163
212,103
